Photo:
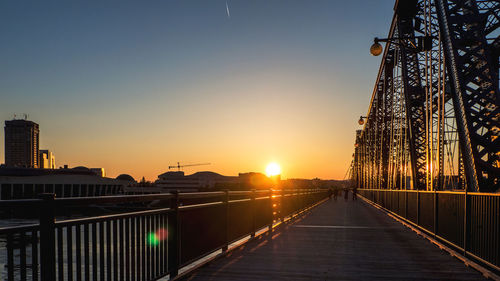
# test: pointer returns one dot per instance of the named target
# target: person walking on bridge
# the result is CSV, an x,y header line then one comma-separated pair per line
x,y
355,194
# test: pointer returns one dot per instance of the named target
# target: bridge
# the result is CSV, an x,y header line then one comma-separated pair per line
x,y
426,166
254,235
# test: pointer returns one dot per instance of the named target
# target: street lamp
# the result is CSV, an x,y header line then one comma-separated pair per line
x,y
361,120
423,43
376,49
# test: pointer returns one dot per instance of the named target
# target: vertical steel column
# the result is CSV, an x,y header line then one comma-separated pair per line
x,y
387,122
414,102
474,91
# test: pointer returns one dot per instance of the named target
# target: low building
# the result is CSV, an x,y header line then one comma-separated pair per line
x,y
207,181
98,171
254,180
198,181
177,180
28,183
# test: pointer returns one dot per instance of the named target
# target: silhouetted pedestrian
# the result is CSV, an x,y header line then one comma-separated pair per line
x,y
335,194
346,194
355,194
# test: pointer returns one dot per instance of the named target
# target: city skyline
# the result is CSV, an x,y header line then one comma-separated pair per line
x,y
136,88
250,140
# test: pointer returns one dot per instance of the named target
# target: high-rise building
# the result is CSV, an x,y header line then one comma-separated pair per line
x,y
47,159
21,143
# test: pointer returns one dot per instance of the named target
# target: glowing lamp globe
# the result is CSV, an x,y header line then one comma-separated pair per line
x,y
376,49
361,121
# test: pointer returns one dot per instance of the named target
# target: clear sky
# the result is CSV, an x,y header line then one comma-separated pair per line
x,y
135,86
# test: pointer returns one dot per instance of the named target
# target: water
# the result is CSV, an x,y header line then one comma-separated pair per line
x,y
3,248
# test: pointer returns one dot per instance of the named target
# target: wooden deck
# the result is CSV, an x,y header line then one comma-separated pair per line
x,y
338,240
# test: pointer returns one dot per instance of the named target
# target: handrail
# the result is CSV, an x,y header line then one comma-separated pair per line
x,y
148,244
192,195
110,217
79,201
18,228
436,191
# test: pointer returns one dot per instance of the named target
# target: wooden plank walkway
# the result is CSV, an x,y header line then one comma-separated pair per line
x,y
338,240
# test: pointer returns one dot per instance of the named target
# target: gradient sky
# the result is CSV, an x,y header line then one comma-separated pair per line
x,y
135,86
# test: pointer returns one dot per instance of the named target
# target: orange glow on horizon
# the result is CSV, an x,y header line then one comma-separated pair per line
x,y
302,146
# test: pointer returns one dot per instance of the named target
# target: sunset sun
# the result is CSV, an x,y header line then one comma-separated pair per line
x,y
273,169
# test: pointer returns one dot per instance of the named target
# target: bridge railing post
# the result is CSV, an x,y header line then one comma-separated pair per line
x,y
226,220
418,207
253,209
174,237
466,221
282,202
270,227
47,238
435,213
406,204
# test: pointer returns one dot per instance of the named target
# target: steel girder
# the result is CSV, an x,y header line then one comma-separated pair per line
x,y
474,79
418,108
414,93
386,119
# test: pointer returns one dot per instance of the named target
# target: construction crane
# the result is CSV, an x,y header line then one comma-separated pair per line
x,y
179,166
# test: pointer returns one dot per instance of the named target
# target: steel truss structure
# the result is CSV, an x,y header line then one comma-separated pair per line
x,y
434,118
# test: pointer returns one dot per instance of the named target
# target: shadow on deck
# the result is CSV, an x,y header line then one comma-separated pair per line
x,y
338,240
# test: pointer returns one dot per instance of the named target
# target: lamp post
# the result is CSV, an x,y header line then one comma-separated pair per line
x,y
416,43
361,120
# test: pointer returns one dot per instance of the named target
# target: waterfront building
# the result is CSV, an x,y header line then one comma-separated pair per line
x,y
21,143
24,183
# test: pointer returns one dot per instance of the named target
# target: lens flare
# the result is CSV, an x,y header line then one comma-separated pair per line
x,y
152,239
161,234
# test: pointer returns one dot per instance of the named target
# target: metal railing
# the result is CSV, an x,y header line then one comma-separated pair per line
x,y
139,245
468,222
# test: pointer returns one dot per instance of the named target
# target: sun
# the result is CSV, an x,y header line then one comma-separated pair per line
x,y
273,169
